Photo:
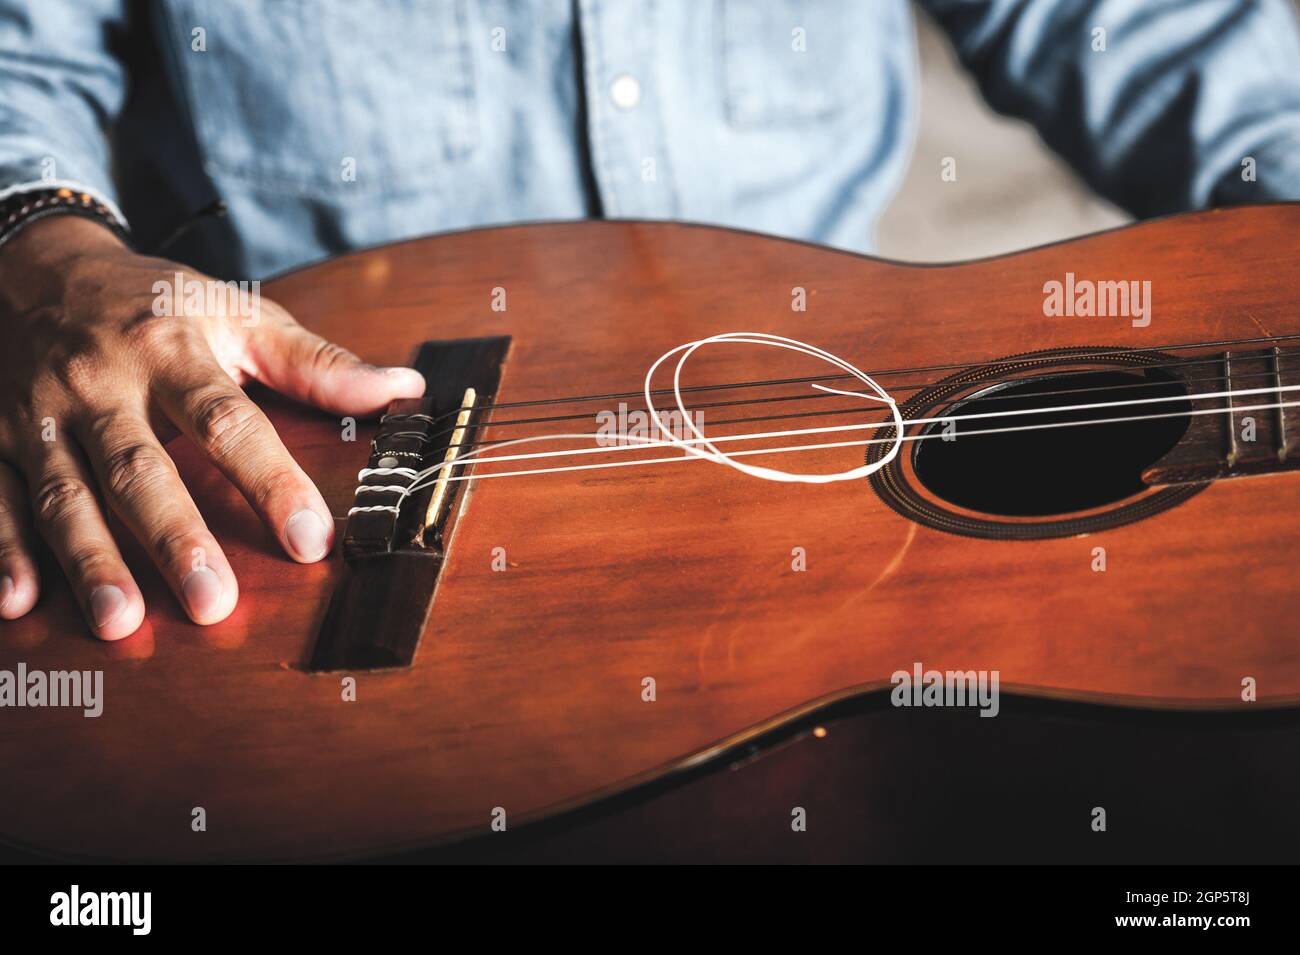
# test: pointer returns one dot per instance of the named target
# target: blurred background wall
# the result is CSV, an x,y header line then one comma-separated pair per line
x,y
1010,192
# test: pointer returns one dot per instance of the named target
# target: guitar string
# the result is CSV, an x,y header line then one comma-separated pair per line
x,y
832,429
1057,376
956,366
702,446
911,437
708,449
421,479
1236,376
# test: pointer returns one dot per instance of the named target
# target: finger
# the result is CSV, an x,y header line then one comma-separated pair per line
x,y
211,410
19,581
305,366
140,483
68,516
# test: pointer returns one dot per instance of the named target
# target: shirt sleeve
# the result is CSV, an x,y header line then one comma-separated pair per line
x,y
62,85
1161,105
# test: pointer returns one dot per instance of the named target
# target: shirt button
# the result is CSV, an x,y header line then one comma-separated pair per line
x,y
625,91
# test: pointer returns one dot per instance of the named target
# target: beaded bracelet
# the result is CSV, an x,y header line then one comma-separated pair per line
x,y
22,209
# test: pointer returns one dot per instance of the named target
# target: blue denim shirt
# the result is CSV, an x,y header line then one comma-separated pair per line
x,y
337,124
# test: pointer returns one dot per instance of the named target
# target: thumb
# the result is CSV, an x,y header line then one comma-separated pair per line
x,y
302,365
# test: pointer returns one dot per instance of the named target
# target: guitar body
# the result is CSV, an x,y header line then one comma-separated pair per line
x,y
748,603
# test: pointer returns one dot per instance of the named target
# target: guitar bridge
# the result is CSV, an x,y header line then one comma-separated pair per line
x,y
400,529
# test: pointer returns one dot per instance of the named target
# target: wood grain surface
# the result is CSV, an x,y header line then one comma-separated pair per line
x,y
526,693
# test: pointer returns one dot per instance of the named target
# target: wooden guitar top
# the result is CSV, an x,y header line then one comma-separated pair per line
x,y
527,690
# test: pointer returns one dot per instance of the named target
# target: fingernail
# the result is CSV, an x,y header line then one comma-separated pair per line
x,y
6,591
106,604
407,376
202,591
308,536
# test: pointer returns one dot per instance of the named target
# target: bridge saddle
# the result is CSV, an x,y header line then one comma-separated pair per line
x,y
396,538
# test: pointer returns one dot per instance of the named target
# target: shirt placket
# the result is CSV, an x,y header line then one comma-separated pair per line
x,y
625,134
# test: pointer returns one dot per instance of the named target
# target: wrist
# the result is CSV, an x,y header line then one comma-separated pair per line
x,y
55,241
39,259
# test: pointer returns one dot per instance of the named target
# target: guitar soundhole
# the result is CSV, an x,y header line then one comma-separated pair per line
x,y
1039,482
1054,464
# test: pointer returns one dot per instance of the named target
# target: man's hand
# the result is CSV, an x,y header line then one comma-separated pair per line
x,y
92,382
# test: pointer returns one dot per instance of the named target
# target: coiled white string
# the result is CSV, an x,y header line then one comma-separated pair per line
x,y
700,446
704,448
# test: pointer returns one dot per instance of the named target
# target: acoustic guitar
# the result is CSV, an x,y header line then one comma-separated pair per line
x,y
673,488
